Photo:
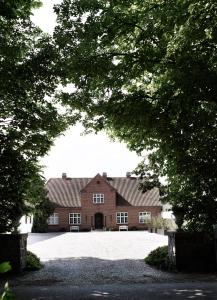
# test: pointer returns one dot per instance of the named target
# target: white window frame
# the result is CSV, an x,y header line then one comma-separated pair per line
x,y
75,218
98,198
144,217
122,217
53,219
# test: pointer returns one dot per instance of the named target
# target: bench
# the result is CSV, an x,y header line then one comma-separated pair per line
x,y
123,227
74,228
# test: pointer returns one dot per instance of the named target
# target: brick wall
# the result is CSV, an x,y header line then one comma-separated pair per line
x,y
108,209
109,217
89,209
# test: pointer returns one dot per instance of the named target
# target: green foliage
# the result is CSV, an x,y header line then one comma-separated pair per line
x,y
145,71
160,223
29,117
5,267
7,295
16,174
159,258
18,8
42,208
32,262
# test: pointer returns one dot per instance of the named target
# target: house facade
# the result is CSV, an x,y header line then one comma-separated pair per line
x,y
101,202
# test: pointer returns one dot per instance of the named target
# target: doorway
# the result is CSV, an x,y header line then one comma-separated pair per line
x,y
98,221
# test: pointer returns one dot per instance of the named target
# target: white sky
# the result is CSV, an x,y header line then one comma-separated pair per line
x,y
76,155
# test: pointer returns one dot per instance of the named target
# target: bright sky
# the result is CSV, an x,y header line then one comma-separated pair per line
x,y
76,155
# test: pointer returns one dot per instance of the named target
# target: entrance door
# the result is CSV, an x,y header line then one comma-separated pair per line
x,y
98,221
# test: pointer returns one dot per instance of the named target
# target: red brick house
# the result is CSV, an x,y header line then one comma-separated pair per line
x,y
100,203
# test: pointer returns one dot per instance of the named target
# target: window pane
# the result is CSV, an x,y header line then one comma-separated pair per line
x,y
144,217
53,219
74,218
122,217
98,198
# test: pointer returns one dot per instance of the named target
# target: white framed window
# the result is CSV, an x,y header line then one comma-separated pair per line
x,y
53,219
144,217
98,198
122,217
74,218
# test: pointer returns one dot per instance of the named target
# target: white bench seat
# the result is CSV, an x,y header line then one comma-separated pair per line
x,y
74,228
123,228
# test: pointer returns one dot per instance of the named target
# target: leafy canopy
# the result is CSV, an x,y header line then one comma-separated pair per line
x,y
146,72
29,118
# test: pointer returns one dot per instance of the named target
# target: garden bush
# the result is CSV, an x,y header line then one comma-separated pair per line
x,y
7,294
159,258
32,262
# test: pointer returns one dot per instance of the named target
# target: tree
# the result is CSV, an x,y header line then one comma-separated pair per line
x,y
39,203
145,71
29,117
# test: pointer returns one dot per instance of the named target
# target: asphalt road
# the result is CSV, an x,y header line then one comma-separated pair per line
x,y
153,291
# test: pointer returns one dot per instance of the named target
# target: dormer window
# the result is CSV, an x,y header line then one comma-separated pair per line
x,y
98,198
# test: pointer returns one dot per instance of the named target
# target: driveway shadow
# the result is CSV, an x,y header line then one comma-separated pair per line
x,y
90,270
84,270
34,238
119,291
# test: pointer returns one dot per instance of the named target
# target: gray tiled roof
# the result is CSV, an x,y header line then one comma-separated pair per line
x,y
67,192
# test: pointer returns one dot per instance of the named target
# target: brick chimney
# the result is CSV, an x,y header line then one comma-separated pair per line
x,y
128,174
104,175
64,176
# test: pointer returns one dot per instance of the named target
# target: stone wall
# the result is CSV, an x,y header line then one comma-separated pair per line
x,y
13,249
192,251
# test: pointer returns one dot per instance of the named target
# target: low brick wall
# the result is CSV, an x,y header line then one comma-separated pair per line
x,y
13,249
192,251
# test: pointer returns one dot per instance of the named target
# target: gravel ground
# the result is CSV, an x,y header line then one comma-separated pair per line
x,y
97,258
100,245
91,258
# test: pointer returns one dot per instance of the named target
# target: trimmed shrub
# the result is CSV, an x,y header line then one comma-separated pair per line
x,y
159,258
32,262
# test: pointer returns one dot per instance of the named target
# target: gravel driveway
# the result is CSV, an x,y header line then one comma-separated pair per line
x,y
92,257
100,245
95,259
